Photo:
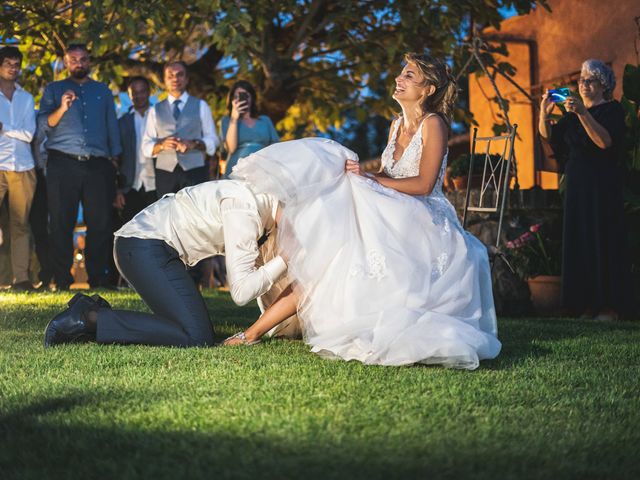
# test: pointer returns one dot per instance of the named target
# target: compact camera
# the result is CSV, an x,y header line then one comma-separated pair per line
x,y
559,95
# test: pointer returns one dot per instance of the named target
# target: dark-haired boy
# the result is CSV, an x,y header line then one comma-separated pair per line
x,y
17,168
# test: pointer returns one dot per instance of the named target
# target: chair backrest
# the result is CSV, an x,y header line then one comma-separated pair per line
x,y
496,174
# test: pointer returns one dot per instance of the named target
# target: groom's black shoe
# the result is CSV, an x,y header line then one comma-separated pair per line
x,y
99,301
71,325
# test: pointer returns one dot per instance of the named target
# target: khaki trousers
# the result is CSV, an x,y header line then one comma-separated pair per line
x,y
21,186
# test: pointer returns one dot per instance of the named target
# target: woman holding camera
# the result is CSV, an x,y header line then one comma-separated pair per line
x,y
243,130
589,142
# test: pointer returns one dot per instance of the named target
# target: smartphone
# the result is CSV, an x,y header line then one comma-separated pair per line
x,y
243,97
559,95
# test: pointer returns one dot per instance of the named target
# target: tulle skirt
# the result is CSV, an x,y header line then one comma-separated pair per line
x,y
383,277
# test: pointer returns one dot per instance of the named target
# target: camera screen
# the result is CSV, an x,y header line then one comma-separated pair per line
x,y
559,95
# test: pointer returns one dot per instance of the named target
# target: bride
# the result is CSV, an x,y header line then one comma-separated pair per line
x,y
382,271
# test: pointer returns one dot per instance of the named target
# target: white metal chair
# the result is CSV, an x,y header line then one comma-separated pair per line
x,y
496,175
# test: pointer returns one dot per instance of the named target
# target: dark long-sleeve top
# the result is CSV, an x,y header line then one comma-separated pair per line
x,y
595,265
575,149
89,127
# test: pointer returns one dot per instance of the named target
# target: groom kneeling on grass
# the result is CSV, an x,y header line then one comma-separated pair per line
x,y
151,251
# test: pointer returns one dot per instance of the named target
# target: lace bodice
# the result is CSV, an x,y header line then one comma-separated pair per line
x,y
408,165
442,212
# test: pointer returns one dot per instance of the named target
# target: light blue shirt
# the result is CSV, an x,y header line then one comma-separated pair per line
x,y
250,140
89,127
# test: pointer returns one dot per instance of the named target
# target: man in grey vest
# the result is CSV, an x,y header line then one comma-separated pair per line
x,y
179,133
137,183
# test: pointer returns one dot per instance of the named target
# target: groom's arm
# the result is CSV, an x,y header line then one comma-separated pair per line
x,y
242,228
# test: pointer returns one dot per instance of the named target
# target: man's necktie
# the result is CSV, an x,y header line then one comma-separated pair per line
x,y
176,109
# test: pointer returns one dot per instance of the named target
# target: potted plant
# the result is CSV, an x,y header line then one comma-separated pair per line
x,y
536,256
458,170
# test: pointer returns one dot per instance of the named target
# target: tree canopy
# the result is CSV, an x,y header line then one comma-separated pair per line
x,y
310,60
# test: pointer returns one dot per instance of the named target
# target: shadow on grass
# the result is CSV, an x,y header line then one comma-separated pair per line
x,y
48,440
34,446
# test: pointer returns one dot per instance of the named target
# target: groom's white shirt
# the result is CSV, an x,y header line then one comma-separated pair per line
x,y
216,218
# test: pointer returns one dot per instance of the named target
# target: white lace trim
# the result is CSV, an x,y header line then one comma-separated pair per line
x,y
376,267
437,269
408,165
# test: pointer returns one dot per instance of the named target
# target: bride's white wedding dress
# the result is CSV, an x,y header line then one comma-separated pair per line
x,y
384,278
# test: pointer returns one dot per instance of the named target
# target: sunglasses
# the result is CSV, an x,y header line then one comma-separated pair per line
x,y
588,81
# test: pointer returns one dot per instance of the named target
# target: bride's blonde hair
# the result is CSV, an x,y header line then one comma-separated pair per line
x,y
438,74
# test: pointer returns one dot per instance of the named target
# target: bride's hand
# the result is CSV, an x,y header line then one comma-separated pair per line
x,y
351,166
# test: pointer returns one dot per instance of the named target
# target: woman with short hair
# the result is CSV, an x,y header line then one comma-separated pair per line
x,y
589,142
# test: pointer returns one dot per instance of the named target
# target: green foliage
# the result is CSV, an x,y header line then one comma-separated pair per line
x,y
630,101
488,53
536,251
631,104
631,83
308,58
459,167
500,128
560,402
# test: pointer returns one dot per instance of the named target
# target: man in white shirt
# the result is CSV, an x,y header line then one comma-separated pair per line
x,y
137,182
214,218
17,168
179,134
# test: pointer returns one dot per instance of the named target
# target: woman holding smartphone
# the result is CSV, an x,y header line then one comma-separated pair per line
x,y
589,142
243,130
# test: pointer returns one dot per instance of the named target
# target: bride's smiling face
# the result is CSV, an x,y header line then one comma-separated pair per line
x,y
410,85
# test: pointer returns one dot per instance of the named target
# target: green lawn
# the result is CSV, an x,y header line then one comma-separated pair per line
x,y
561,401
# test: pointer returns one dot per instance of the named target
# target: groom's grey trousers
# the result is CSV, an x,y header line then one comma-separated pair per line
x,y
180,317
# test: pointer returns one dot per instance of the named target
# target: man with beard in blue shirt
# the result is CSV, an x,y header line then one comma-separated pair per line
x,y
78,116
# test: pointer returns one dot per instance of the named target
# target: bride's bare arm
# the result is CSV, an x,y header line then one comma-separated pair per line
x,y
285,305
434,147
